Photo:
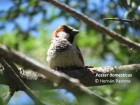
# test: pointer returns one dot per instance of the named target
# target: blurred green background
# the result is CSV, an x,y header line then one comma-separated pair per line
x,y
26,26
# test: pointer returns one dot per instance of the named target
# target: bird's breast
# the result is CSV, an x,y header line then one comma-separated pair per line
x,y
63,54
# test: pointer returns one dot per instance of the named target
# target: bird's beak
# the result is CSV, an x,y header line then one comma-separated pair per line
x,y
74,32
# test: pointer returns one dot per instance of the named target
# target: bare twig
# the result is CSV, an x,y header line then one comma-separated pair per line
x,y
124,20
96,25
117,19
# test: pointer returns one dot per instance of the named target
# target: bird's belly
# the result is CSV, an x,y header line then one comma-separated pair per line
x,y
67,59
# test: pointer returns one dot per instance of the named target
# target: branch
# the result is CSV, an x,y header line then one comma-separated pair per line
x,y
95,25
20,83
56,77
108,69
86,76
125,20
117,19
36,81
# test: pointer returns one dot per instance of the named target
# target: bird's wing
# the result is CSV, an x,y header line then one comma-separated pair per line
x,y
80,54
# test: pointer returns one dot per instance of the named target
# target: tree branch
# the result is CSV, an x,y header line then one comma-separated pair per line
x,y
36,81
95,25
56,77
125,20
117,19
86,76
108,69
20,83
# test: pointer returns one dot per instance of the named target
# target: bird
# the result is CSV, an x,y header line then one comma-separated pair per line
x,y
63,53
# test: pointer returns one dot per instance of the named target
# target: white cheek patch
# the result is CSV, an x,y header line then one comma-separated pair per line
x,y
63,35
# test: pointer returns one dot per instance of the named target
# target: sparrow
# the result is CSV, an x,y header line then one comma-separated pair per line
x,y
63,53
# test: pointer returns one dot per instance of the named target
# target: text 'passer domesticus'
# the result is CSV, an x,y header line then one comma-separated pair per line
x,y
63,53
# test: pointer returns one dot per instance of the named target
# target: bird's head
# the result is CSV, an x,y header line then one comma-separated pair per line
x,y
65,32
